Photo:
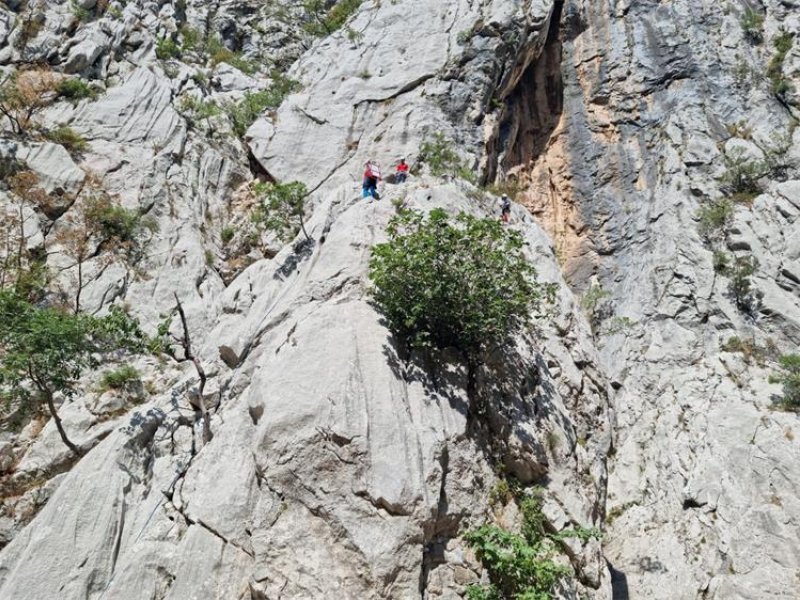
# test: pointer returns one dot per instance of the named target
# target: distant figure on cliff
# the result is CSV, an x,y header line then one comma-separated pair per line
x,y
401,172
372,175
505,208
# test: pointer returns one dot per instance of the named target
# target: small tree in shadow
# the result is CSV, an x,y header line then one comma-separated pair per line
x,y
463,284
522,566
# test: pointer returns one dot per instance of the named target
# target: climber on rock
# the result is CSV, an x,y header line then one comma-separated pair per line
x,y
401,172
372,175
505,208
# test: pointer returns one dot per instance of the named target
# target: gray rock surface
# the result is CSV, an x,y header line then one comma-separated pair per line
x,y
336,469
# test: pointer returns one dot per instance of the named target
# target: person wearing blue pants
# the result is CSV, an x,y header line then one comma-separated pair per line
x,y
369,187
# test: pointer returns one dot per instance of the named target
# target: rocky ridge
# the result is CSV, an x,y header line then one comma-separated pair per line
x,y
616,122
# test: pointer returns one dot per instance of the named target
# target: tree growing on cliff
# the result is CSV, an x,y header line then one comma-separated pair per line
x,y
789,377
24,94
462,284
100,228
44,351
281,208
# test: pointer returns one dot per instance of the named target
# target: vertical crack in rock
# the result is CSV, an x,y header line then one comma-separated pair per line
x,y
439,531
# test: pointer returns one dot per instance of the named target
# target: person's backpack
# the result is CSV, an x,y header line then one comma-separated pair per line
x,y
373,171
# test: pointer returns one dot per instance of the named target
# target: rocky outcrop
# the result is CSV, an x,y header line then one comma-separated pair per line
x,y
338,468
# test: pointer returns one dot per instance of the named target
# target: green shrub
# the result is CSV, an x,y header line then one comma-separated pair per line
x,y
114,222
464,36
218,53
67,137
439,154
713,218
119,379
75,89
753,25
167,48
321,21
44,351
82,14
281,208
595,303
521,566
246,111
789,377
195,109
742,179
783,44
740,286
227,234
192,39
465,285
720,262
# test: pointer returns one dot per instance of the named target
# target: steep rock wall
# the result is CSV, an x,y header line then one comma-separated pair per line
x,y
335,468
658,99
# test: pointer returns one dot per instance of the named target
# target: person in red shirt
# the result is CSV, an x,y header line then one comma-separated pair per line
x,y
372,175
401,173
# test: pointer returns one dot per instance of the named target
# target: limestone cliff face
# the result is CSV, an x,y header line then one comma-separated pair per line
x,y
658,102
336,469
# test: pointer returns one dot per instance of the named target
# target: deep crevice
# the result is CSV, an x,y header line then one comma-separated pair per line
x,y
533,109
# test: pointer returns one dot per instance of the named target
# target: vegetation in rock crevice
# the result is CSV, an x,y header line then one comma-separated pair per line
x,y
521,565
752,23
249,108
281,208
789,377
780,85
323,19
441,158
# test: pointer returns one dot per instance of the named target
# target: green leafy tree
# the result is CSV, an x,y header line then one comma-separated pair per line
x,y
789,377
281,208
44,351
464,285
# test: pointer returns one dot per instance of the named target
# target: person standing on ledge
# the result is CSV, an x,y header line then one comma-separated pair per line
x,y
372,174
505,209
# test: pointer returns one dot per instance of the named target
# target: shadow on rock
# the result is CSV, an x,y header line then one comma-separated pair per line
x,y
503,410
302,250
